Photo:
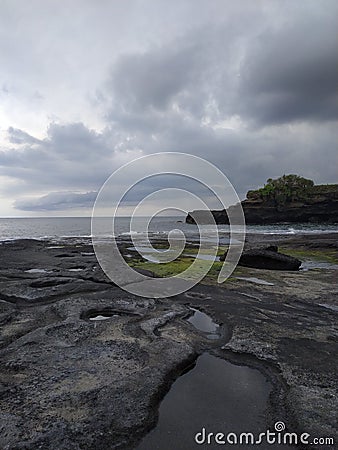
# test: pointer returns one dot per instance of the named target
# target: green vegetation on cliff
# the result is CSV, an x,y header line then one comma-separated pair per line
x,y
289,198
290,188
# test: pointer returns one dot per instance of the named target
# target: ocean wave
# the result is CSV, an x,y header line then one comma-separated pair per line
x,y
130,233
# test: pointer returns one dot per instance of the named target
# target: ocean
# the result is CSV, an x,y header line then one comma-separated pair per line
x,y
79,228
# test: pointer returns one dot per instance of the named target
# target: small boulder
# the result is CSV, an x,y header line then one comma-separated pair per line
x,y
267,258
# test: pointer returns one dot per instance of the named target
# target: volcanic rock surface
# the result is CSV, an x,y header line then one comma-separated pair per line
x,y
68,381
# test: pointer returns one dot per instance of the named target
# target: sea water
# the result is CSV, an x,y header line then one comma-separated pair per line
x,y
59,228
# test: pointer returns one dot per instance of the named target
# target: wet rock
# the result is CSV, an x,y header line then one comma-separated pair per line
x,y
92,382
49,282
267,258
67,382
105,312
151,326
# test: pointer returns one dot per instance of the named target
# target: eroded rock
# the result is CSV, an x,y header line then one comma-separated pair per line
x,y
267,258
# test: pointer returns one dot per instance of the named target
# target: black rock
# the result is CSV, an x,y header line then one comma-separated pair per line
x,y
319,206
267,258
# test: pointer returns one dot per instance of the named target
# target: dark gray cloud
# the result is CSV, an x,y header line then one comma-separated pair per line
x,y
247,158
71,156
267,75
153,79
57,201
291,74
250,87
182,77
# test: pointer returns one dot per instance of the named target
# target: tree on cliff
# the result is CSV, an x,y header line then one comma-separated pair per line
x,y
287,188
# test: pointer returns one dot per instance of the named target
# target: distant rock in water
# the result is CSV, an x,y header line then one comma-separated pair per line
x,y
267,258
289,198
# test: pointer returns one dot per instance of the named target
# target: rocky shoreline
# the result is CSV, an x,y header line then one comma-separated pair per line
x,y
281,201
67,381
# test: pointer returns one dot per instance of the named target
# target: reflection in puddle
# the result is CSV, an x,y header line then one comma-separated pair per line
x,y
215,395
104,317
327,306
255,280
308,265
203,322
152,254
38,271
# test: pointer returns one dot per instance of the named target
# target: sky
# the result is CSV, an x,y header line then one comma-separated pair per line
x,y
86,87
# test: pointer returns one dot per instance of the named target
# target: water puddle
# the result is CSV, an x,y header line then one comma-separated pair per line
x,y
204,323
152,255
327,306
103,317
255,280
105,313
38,271
250,296
308,265
215,395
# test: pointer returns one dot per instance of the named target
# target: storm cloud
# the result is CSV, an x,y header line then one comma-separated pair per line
x,y
57,201
291,74
249,86
71,156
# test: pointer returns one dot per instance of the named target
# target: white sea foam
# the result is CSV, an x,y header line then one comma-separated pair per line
x,y
78,229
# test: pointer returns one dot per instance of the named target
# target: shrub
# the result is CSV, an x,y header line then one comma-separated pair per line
x,y
285,189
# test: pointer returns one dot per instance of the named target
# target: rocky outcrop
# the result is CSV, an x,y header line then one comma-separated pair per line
x,y
81,365
319,205
84,364
267,258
